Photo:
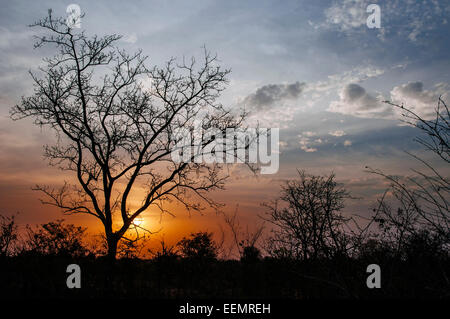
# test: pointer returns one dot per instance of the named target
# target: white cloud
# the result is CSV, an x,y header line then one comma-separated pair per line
x,y
335,81
347,143
347,15
419,18
413,96
130,38
316,91
305,144
354,100
337,133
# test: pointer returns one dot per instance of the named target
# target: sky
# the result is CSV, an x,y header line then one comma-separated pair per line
x,y
314,69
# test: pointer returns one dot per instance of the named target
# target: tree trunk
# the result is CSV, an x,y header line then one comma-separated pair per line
x,y
112,247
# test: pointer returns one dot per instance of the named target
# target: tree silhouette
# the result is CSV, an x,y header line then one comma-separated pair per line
x,y
250,254
307,219
165,252
56,239
437,128
117,134
420,202
199,246
245,240
8,235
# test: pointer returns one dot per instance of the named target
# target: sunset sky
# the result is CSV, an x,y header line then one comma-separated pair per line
x,y
311,68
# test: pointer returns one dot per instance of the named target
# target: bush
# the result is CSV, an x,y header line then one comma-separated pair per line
x,y
251,254
199,245
8,235
56,239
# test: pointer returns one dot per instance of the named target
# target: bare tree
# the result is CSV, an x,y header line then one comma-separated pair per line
x,y
422,201
165,252
8,235
307,219
437,128
245,240
116,133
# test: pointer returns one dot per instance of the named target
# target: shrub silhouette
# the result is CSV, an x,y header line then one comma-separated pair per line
x,y
250,254
199,246
8,235
166,252
56,239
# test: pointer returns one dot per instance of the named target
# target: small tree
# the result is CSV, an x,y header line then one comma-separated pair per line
x,y
199,246
116,133
420,202
56,239
436,127
132,248
250,254
8,235
165,253
245,240
307,219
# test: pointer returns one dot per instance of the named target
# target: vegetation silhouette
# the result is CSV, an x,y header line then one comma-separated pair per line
x,y
116,134
198,246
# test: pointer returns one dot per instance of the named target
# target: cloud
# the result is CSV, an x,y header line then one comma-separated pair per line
x,y
315,92
305,145
267,96
130,38
10,39
307,142
334,81
354,100
419,18
17,57
347,15
266,111
337,133
310,141
413,96
422,17
309,134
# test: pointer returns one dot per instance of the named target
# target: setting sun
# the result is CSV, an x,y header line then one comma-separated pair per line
x,y
138,221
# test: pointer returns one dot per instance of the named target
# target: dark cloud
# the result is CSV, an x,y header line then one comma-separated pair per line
x,y
268,95
354,91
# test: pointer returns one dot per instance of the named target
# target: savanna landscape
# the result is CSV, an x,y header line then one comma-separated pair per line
x,y
225,150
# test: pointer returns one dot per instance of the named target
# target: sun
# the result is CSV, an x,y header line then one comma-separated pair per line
x,y
138,221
